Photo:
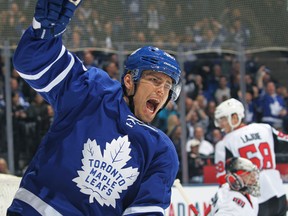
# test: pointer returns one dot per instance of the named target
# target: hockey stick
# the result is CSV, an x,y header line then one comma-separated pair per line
x,y
180,188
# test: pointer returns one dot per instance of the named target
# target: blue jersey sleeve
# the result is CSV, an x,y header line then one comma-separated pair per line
x,y
40,62
57,74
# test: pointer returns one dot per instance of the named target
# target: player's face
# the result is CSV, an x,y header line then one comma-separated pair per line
x,y
250,178
151,94
224,124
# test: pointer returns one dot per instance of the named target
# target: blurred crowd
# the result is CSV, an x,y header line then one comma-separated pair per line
x,y
98,23
207,83
208,79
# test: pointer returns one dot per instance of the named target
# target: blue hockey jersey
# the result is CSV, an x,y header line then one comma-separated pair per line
x,y
97,158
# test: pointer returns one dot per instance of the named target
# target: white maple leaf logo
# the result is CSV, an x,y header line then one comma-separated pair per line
x,y
275,108
104,177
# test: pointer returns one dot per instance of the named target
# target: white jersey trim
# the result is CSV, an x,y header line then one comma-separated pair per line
x,y
131,120
59,78
41,73
143,209
39,205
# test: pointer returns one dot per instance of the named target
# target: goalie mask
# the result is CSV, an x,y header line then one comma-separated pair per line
x,y
152,58
227,109
242,175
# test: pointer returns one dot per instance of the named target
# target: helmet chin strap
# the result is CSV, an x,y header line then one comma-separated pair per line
x,y
235,125
131,103
130,98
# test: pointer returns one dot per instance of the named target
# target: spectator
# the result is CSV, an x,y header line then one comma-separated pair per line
x,y
234,76
36,126
196,117
173,39
134,11
141,37
210,109
3,166
172,121
202,102
213,82
196,162
220,31
108,32
50,115
251,86
25,90
118,27
152,17
199,84
251,114
214,136
20,95
240,33
161,120
206,148
191,88
222,92
210,40
197,32
251,64
89,59
263,76
19,121
112,69
282,91
16,21
272,106
175,135
76,41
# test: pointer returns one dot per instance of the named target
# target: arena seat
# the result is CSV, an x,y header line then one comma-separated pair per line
x,y
283,168
209,174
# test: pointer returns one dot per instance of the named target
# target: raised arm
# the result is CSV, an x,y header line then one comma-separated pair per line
x,y
40,57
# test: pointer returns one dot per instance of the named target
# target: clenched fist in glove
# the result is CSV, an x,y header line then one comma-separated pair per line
x,y
52,16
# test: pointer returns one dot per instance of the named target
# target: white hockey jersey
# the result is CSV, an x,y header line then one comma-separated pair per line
x,y
227,202
255,142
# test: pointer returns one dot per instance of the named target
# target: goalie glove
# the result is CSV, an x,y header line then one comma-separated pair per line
x,y
52,16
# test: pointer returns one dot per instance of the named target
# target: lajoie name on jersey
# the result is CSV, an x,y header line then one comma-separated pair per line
x,y
250,137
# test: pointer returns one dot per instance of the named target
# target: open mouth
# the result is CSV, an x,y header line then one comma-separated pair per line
x,y
152,105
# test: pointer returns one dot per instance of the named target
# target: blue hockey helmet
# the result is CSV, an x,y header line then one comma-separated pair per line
x,y
155,59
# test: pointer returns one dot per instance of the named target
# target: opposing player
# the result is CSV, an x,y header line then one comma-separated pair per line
x,y
233,198
255,142
100,156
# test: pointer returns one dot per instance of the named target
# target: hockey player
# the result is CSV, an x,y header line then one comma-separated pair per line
x,y
233,198
255,142
100,156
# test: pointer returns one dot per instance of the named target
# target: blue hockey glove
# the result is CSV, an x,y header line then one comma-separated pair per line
x,y
52,16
